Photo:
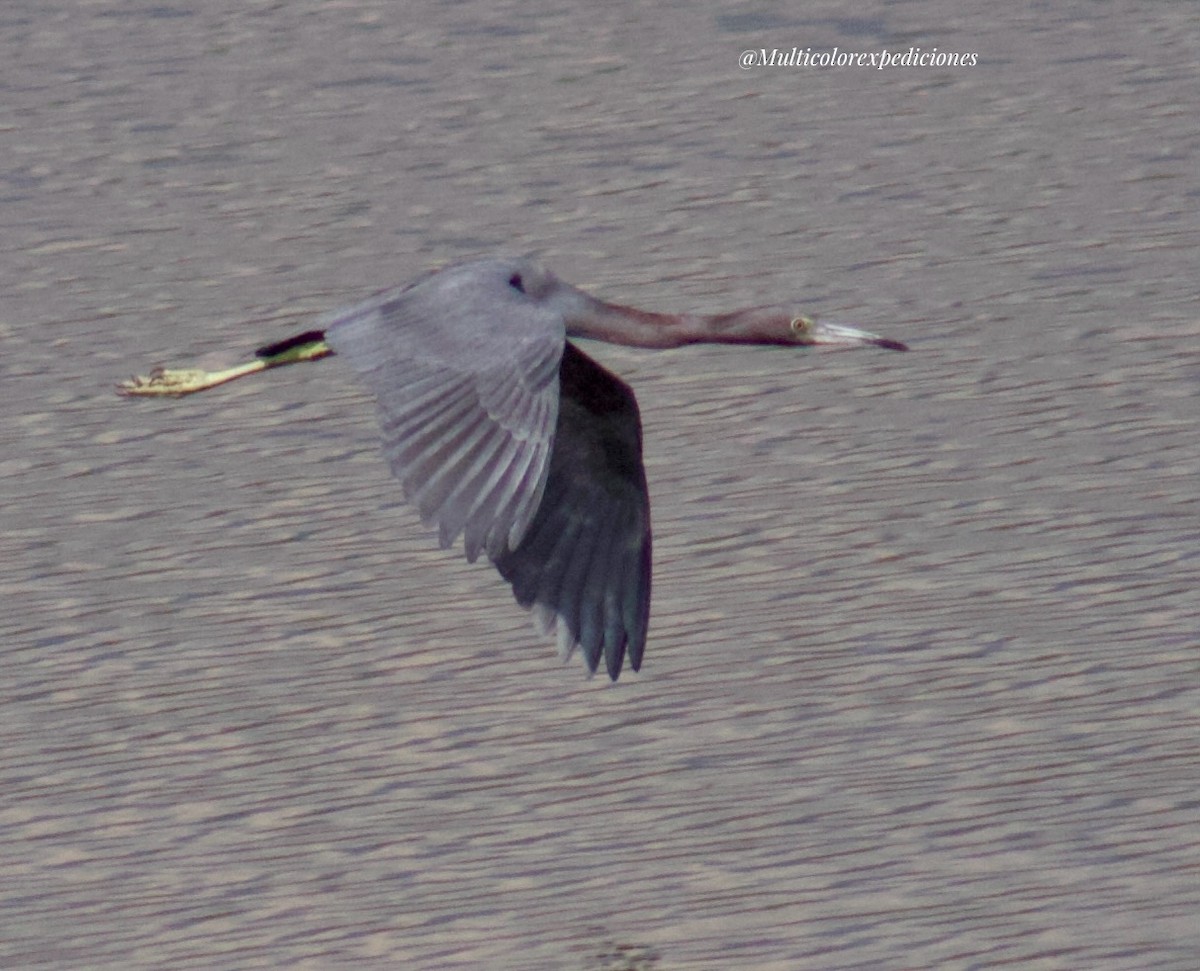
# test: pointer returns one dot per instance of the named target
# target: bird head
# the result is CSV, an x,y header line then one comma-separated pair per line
x,y
807,331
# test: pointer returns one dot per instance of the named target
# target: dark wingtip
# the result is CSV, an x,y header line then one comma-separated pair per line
x,y
890,344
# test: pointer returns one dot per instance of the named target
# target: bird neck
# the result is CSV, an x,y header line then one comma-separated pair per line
x,y
643,328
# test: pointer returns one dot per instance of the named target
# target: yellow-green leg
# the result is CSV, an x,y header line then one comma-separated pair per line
x,y
309,346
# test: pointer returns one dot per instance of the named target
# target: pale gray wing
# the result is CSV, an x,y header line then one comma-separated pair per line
x,y
464,368
584,564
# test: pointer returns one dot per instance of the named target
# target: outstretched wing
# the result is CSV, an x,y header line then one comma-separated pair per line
x,y
500,430
584,564
465,374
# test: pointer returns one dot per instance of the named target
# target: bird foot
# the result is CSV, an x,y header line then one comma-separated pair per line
x,y
173,382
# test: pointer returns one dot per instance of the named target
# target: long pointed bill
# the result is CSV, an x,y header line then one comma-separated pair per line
x,y
821,332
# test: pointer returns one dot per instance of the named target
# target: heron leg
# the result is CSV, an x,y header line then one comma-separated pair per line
x,y
175,382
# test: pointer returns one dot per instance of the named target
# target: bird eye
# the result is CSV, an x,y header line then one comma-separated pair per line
x,y
801,325
517,283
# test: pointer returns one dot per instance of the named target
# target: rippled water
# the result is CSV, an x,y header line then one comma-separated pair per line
x,y
921,689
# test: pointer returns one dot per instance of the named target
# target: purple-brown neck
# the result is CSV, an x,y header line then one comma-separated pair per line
x,y
616,324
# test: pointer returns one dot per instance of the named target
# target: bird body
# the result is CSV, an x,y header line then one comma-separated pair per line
x,y
502,431
467,400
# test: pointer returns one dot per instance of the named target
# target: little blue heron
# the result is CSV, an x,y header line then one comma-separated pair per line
x,y
501,430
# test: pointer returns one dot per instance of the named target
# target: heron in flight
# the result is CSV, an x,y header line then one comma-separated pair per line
x,y
502,431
